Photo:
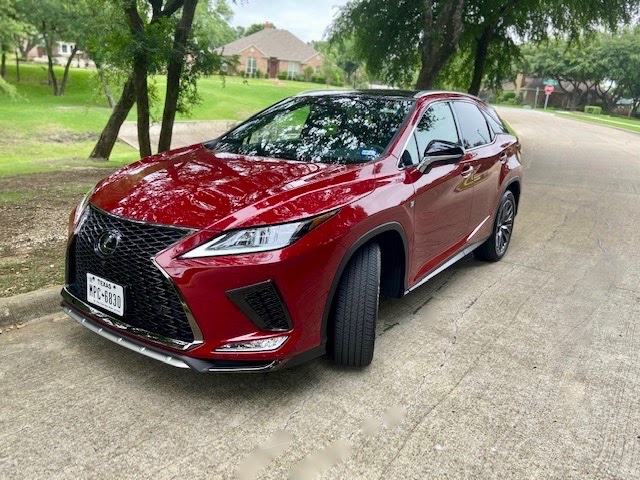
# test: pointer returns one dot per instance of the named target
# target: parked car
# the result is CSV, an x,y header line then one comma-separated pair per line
x,y
271,244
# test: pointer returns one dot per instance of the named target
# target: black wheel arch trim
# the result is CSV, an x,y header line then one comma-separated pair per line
x,y
515,179
386,227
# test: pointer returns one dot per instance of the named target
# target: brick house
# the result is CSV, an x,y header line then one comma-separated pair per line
x,y
272,51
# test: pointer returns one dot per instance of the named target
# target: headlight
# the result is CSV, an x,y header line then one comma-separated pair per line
x,y
257,239
81,207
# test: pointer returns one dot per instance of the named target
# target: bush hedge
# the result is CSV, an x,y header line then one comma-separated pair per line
x,y
593,109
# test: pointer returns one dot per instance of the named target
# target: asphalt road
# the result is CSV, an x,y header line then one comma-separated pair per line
x,y
527,368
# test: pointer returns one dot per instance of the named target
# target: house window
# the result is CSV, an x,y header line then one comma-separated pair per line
x,y
318,70
293,70
63,48
252,65
224,67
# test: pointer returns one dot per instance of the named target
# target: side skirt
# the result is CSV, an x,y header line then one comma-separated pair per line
x,y
458,256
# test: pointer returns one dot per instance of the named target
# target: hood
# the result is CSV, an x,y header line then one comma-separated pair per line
x,y
198,188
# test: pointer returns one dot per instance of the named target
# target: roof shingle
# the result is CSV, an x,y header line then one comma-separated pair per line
x,y
276,43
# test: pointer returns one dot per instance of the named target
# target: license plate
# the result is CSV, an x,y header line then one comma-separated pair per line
x,y
105,294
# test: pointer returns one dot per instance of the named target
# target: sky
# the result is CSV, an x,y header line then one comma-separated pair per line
x,y
307,20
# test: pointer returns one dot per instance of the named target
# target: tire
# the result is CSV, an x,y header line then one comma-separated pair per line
x,y
495,247
356,309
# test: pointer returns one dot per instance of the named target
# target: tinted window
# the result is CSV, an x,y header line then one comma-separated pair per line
x,y
494,121
326,129
473,125
411,156
437,123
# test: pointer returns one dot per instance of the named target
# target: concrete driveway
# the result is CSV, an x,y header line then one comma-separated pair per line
x,y
527,368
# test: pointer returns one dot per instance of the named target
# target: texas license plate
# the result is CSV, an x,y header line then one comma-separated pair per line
x,y
105,294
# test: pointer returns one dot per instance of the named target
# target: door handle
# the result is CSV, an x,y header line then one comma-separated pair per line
x,y
504,157
467,171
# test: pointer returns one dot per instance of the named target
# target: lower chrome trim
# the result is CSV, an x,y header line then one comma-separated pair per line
x,y
247,369
457,257
125,342
86,309
174,359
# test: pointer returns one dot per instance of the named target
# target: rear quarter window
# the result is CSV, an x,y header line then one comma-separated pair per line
x,y
473,125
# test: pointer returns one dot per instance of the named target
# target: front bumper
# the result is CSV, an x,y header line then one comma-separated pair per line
x,y
82,313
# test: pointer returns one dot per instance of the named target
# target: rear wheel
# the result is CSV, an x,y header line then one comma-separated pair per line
x,y
356,309
497,244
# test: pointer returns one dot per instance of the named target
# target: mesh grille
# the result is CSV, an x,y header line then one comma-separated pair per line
x,y
263,305
151,301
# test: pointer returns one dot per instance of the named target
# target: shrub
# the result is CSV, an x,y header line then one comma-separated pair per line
x,y
259,74
593,109
319,79
282,75
308,73
507,96
299,77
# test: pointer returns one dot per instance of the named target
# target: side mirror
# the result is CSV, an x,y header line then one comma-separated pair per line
x,y
440,152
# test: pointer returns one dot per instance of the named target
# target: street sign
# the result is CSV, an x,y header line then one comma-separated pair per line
x,y
550,81
548,90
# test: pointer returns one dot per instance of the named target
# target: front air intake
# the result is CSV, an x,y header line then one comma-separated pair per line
x,y
263,305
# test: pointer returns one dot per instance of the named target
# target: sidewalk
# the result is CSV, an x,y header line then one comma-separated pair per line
x,y
184,133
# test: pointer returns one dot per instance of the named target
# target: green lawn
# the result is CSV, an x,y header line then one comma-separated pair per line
x,y
626,123
40,132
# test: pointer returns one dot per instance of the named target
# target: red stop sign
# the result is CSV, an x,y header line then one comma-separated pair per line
x,y
548,89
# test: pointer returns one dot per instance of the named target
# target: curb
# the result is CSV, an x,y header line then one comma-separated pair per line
x,y
27,306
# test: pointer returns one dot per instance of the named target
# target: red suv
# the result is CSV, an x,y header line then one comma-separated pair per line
x,y
271,244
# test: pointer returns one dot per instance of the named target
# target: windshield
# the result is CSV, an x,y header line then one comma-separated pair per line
x,y
325,129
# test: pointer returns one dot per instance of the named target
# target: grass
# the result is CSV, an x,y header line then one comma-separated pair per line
x,y
40,132
625,123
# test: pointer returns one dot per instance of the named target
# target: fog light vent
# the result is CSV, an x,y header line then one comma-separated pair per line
x,y
263,305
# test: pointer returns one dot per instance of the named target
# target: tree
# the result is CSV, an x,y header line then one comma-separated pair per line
x,y
151,38
256,27
55,21
12,28
490,26
174,72
396,38
623,60
136,52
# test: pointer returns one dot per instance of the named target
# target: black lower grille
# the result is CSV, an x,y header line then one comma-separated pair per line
x,y
151,301
263,305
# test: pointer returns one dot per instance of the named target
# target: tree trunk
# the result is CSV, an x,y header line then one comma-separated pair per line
x,y
3,65
442,33
142,107
49,49
26,47
174,72
136,25
105,86
65,77
17,67
119,114
480,60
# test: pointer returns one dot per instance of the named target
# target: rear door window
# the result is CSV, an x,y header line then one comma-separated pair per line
x,y
473,125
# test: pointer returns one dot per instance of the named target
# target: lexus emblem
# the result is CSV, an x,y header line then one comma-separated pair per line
x,y
108,242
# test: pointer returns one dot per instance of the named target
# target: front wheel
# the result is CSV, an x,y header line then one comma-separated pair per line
x,y
497,244
356,309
